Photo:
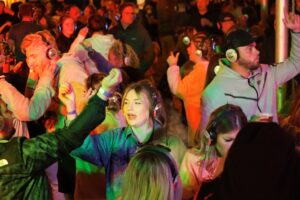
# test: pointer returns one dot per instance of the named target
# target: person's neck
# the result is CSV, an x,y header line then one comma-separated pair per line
x,y
98,33
244,72
124,25
203,11
143,133
27,19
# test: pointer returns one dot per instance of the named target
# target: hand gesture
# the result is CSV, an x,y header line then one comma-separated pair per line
x,y
172,59
88,94
49,70
67,96
292,21
113,79
84,31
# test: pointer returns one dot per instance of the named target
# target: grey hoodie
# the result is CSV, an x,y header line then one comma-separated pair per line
x,y
255,94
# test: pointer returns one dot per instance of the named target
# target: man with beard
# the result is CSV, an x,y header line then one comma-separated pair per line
x,y
242,81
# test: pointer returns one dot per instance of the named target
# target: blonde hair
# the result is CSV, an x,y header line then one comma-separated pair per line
x,y
37,39
118,50
150,177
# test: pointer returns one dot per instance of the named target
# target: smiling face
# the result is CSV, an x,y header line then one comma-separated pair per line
x,y
136,109
224,142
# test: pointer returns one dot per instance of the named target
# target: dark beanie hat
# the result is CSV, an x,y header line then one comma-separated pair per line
x,y
262,163
238,38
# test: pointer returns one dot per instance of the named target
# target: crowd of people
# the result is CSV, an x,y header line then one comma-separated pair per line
x,y
86,93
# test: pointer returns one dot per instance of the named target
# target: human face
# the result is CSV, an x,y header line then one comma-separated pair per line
x,y
128,15
227,25
249,56
114,60
136,109
68,27
36,58
191,50
224,142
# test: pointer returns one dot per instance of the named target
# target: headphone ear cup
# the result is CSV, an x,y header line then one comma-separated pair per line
x,y
59,28
219,25
51,53
231,55
199,52
75,27
156,108
127,61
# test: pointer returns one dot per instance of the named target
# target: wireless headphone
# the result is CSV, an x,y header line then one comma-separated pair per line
x,y
51,52
231,53
211,130
126,58
61,21
162,151
202,49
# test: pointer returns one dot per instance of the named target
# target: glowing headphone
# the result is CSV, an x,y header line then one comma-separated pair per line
x,y
51,52
126,58
201,50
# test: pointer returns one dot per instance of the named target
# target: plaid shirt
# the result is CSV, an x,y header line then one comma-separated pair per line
x,y
111,150
22,161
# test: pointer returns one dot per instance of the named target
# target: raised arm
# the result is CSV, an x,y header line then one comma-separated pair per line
x,y
26,109
45,149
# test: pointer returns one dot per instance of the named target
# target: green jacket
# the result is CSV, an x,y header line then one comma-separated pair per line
x,y
23,161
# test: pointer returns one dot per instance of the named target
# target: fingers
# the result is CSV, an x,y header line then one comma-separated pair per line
x,y
65,88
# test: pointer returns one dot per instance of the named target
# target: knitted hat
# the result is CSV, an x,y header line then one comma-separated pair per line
x,y
262,164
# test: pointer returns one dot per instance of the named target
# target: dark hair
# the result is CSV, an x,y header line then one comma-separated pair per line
x,y
96,23
125,5
25,10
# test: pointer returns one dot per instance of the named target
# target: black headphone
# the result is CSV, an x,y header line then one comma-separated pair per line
x,y
165,152
51,52
62,19
211,130
126,58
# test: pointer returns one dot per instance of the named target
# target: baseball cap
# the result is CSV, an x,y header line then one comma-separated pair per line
x,y
238,38
226,16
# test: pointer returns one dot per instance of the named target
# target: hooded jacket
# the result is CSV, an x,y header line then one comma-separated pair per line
x,y
255,94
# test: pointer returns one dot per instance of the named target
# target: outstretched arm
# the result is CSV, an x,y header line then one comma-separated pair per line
x,y
43,150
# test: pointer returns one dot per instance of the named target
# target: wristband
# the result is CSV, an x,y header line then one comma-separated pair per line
x,y
73,112
107,94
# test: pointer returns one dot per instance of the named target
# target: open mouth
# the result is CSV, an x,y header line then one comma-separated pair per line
x,y
131,116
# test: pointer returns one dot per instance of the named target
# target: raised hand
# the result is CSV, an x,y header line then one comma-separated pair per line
x,y
292,21
173,59
67,96
113,79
